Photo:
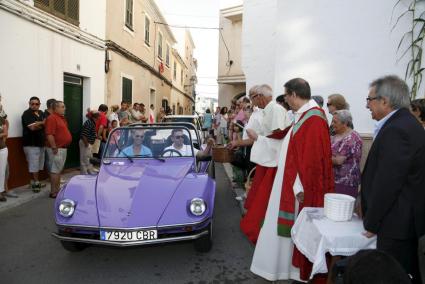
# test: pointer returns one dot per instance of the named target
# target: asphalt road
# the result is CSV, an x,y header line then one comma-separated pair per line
x,y
29,254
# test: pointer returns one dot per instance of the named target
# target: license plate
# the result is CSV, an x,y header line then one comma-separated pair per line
x,y
128,236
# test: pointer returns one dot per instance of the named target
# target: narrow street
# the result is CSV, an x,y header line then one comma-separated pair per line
x,y
29,254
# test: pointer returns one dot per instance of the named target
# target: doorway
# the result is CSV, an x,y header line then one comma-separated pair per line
x,y
152,98
164,104
73,99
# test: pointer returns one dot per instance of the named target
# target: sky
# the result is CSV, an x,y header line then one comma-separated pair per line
x,y
199,13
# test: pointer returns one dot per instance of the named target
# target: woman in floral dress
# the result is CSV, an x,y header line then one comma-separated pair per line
x,y
346,154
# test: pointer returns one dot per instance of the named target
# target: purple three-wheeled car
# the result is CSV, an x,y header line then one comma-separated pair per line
x,y
151,188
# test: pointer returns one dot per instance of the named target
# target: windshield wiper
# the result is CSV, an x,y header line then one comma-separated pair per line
x,y
120,150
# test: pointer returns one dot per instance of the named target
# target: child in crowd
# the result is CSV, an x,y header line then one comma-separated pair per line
x,y
115,138
222,137
248,111
230,118
238,173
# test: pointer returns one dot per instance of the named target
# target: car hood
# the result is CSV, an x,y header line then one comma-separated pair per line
x,y
134,195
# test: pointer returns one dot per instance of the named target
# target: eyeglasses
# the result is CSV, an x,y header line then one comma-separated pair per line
x,y
139,136
369,99
35,104
328,104
254,96
178,136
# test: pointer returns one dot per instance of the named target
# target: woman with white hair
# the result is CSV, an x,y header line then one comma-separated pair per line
x,y
346,147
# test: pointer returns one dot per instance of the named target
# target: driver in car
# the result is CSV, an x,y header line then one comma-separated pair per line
x,y
137,149
178,145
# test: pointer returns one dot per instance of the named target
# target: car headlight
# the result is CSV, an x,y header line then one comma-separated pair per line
x,y
197,206
66,208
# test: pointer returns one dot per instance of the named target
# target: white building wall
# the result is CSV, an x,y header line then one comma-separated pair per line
x,y
93,17
34,59
339,46
259,41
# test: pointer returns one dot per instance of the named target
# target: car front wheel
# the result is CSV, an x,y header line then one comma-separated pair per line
x,y
204,243
73,246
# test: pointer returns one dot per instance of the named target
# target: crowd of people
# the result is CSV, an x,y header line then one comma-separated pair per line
x,y
46,137
299,156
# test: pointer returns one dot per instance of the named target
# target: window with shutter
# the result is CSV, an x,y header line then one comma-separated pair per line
x,y
147,27
68,10
160,45
129,14
167,55
175,71
127,92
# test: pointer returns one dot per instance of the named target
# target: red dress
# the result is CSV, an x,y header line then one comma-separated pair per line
x,y
257,202
259,195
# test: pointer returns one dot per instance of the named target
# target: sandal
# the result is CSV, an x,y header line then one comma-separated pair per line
x,y
36,188
53,195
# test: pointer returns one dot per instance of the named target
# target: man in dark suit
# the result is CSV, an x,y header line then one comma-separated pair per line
x,y
393,180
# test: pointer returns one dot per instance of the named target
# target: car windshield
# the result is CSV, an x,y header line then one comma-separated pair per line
x,y
149,142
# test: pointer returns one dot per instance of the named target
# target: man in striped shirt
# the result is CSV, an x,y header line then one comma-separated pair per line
x,y
87,138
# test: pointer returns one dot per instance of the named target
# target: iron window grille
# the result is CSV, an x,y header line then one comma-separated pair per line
x,y
68,10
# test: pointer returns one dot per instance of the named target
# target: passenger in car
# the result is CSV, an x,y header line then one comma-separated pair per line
x,y
137,148
178,137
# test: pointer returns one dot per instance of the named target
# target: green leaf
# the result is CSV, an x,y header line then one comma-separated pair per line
x,y
395,6
407,69
402,39
401,16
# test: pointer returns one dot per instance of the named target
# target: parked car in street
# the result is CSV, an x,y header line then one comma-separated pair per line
x,y
146,192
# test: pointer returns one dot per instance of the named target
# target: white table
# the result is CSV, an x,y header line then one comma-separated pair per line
x,y
315,235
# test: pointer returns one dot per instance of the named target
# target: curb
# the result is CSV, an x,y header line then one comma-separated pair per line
x,y
237,190
25,194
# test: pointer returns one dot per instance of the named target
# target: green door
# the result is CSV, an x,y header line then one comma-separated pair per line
x,y
73,99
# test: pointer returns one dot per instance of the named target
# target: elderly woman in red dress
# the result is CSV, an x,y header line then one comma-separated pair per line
x,y
346,154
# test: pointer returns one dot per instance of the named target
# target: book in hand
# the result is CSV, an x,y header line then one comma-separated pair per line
x,y
280,134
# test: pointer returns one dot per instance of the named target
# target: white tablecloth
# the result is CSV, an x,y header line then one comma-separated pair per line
x,y
315,235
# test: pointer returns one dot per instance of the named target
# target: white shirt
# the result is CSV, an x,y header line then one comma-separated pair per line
x,y
381,123
113,116
223,121
255,121
186,151
274,118
264,151
135,115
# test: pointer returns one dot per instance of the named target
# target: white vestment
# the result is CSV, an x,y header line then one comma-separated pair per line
x,y
272,258
265,152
